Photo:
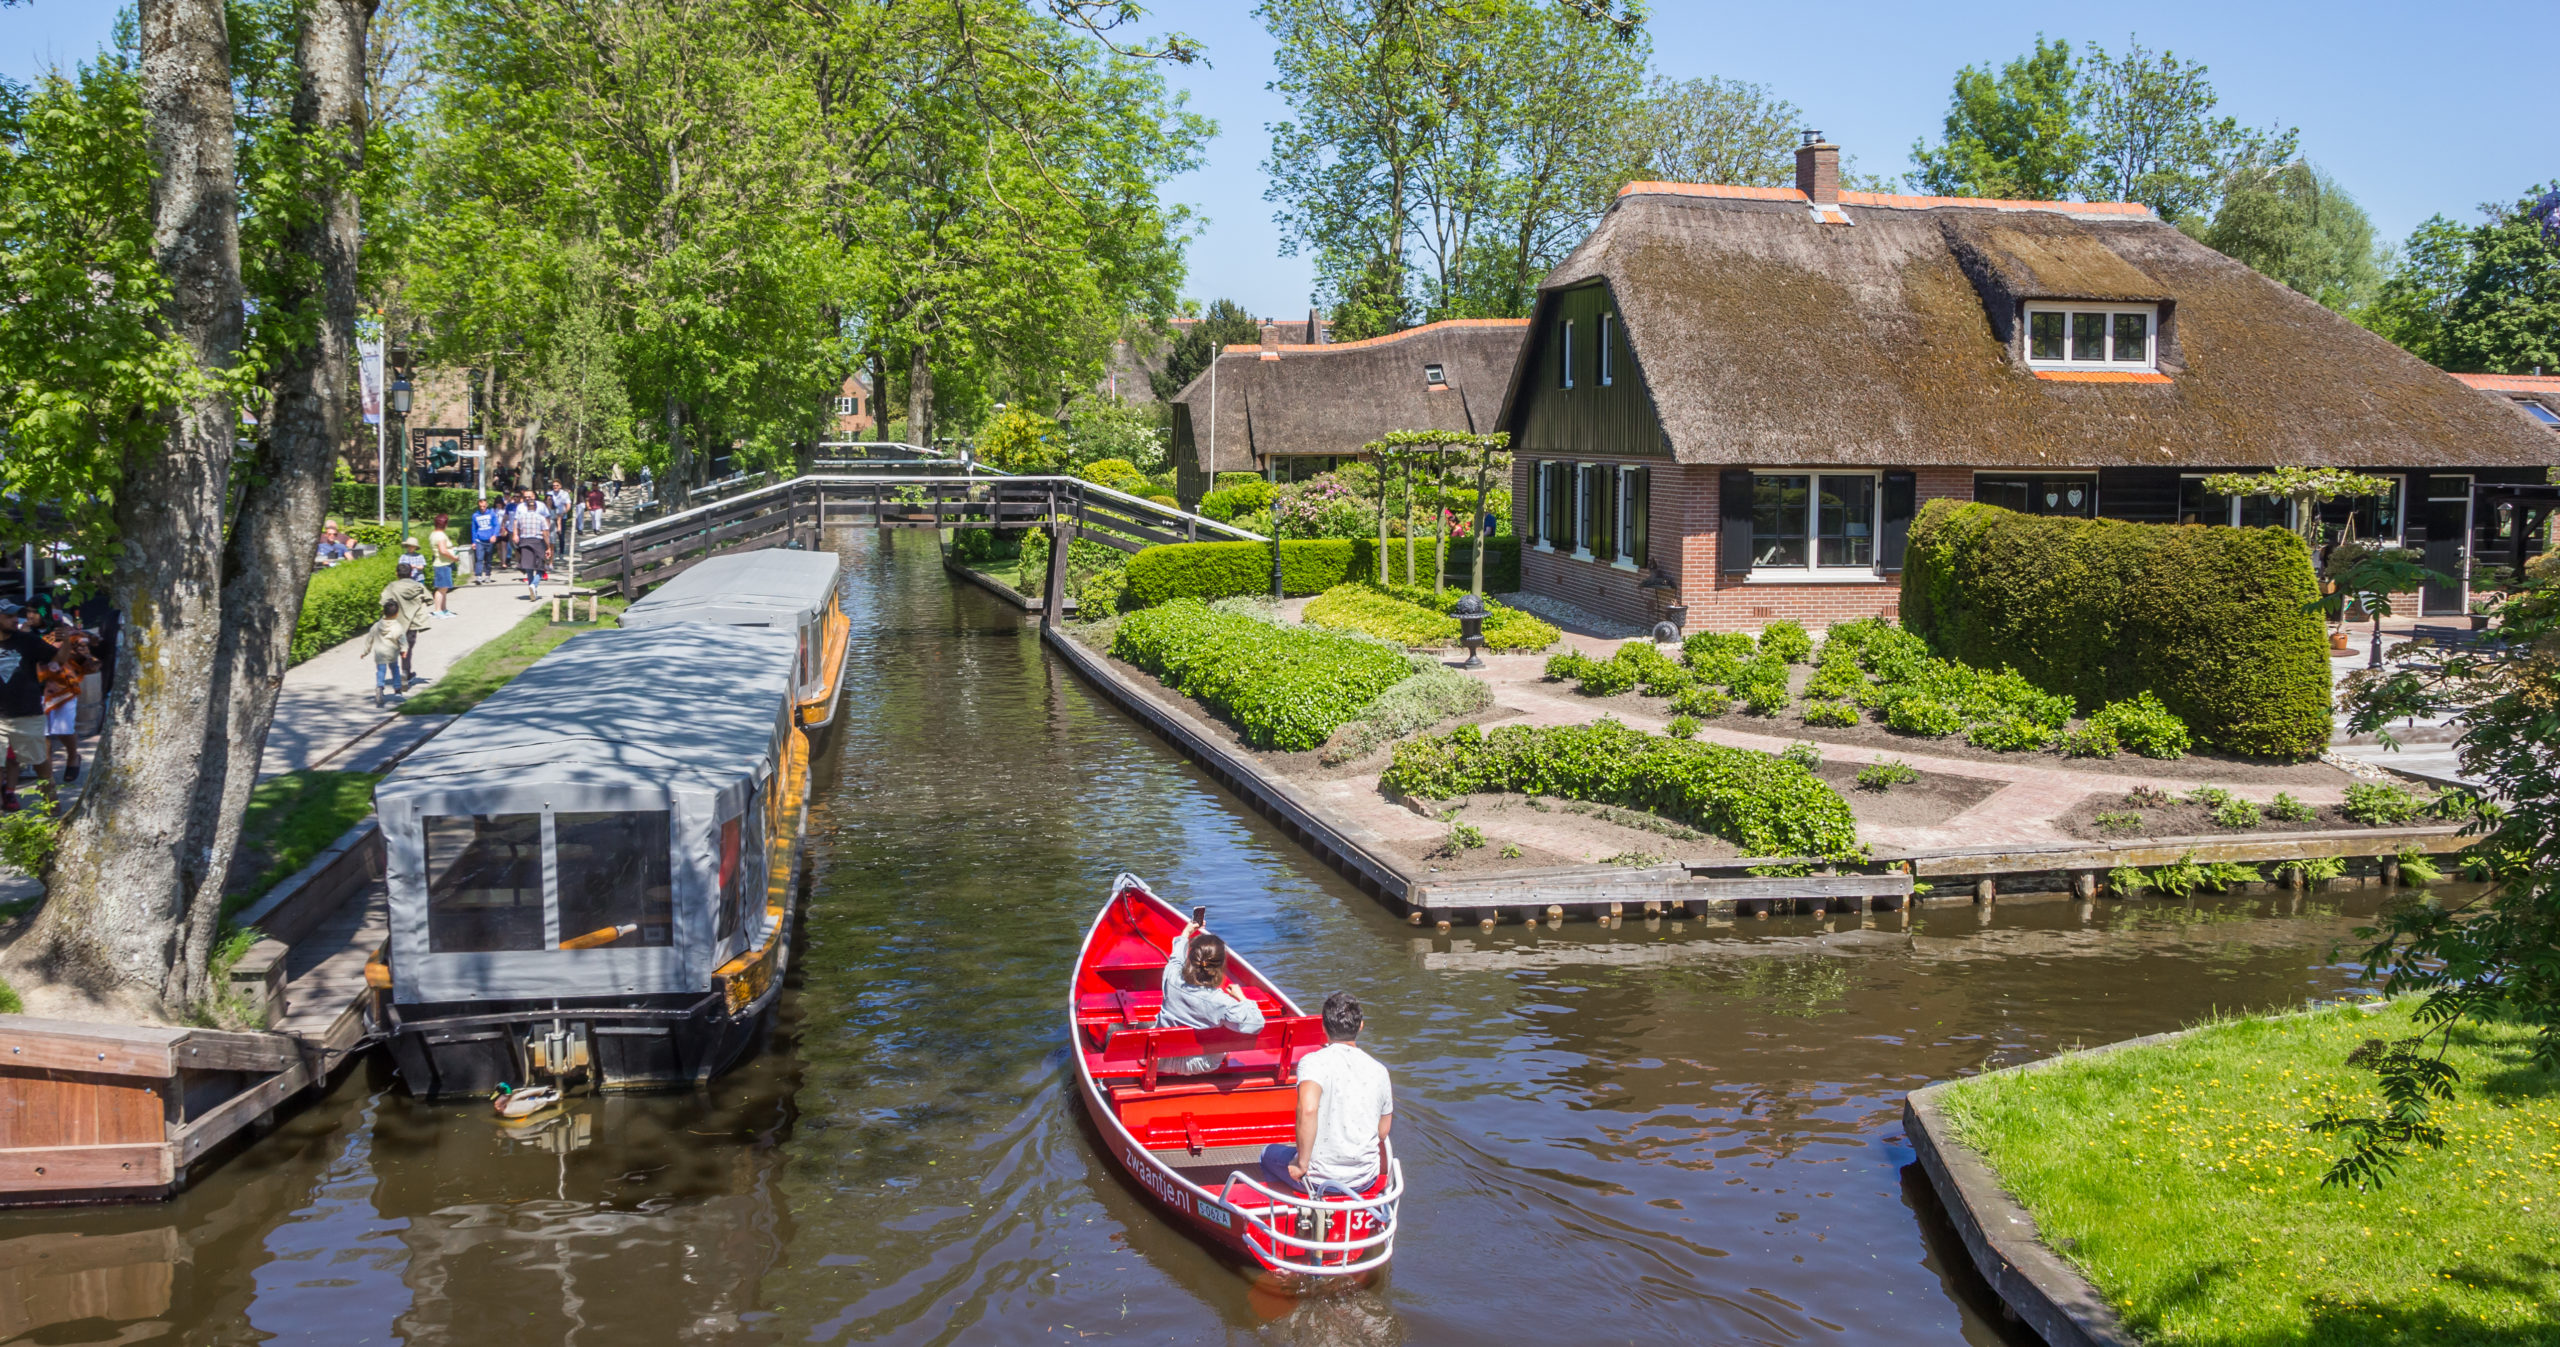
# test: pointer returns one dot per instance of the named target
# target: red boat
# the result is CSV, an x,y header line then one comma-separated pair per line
x,y
1194,1143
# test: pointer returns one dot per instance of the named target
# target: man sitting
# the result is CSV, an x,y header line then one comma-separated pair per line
x,y
1345,1107
334,546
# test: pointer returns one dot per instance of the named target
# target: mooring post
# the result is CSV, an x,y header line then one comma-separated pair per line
x,y
2390,872
1986,890
1053,591
2084,885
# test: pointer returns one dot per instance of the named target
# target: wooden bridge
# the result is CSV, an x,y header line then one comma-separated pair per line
x,y
913,492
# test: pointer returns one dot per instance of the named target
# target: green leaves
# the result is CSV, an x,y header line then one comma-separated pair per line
x,y
1283,688
1763,804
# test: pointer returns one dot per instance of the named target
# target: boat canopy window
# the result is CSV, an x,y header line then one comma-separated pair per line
x,y
614,886
484,883
735,868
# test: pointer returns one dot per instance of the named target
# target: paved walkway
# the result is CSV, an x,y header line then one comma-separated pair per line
x,y
325,716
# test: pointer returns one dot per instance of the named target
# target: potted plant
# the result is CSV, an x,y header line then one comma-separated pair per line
x,y
2481,608
2368,575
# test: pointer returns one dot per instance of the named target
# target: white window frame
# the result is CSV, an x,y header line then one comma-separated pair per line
x,y
1813,570
1626,521
1581,510
1538,515
2292,516
1565,374
1608,329
2150,362
844,406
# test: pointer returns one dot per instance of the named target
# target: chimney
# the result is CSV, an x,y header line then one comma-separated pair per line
x,y
1818,170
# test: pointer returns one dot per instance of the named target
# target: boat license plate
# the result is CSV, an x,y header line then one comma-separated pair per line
x,y
1211,1211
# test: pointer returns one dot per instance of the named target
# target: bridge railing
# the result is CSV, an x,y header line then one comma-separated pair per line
x,y
794,512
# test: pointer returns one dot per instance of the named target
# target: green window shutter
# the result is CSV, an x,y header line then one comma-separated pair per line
x,y
1639,514
1901,491
1733,536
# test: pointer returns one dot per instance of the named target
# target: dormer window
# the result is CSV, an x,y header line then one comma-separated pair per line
x,y
1434,374
2093,336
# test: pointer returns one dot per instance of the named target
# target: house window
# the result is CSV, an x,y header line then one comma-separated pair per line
x,y
1565,352
2533,409
2074,495
1555,498
1635,505
1434,374
2199,506
844,406
2092,336
1608,348
2368,518
1824,521
1597,491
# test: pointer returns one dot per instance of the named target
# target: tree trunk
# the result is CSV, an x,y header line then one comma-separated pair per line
x,y
679,458
270,557
119,883
879,390
1409,564
1382,519
920,394
1481,527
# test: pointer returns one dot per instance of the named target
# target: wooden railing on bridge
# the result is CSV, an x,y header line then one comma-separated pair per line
x,y
918,494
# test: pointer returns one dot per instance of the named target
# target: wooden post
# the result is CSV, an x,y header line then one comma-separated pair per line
x,y
1485,923
2084,885
1444,926
1053,590
1986,890
2390,872
1413,918
622,582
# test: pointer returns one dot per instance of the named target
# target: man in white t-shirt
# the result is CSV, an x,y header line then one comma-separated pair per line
x,y
1345,1107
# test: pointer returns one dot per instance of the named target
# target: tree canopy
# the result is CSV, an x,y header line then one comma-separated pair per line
x,y
2483,298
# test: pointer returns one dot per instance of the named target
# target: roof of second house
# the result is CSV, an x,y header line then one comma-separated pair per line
x,y
1766,334
2535,396
1334,397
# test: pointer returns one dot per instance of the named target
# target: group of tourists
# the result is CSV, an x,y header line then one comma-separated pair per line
x,y
47,663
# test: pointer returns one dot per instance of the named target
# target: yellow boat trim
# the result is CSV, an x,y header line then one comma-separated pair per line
x,y
839,632
745,977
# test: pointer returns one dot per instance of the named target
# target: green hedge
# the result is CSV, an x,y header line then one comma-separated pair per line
x,y
354,500
2217,621
1171,571
1285,688
1761,803
342,603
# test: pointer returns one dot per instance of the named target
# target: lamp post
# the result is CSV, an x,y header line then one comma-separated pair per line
x,y
400,397
1469,611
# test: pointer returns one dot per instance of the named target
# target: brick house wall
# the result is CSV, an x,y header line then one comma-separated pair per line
x,y
1686,517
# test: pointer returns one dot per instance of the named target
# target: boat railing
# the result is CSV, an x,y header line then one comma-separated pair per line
x,y
1383,1207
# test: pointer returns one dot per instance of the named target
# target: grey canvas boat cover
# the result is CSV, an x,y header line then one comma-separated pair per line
x,y
772,586
679,706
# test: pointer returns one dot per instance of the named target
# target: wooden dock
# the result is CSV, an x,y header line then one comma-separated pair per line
x,y
102,1112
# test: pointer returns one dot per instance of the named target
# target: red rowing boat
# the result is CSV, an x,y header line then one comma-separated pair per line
x,y
1194,1143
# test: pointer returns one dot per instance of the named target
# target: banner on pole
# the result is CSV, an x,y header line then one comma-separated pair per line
x,y
369,358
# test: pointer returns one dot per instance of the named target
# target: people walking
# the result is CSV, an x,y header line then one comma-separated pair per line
x,y
563,514
23,655
63,675
442,558
385,645
533,541
409,592
484,538
595,507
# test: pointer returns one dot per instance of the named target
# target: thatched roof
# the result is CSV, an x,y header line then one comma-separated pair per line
x,y
1334,397
1768,336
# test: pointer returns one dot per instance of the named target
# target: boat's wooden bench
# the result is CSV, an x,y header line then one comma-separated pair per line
x,y
1267,1058
1100,1014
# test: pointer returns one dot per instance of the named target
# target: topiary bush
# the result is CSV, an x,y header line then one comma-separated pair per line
x,y
1245,497
2144,725
342,603
1758,802
2008,734
1283,688
2219,623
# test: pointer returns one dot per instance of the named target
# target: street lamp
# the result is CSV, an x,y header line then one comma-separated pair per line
x,y
400,398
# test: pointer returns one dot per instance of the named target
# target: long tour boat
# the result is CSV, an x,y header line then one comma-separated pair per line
x,y
780,588
1193,1144
590,873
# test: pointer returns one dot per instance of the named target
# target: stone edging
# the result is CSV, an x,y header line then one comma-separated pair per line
x,y
2035,1282
1348,847
998,587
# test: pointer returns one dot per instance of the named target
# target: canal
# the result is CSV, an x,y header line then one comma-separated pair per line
x,y
1667,1132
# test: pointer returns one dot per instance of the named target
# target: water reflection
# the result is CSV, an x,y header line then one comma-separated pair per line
x,y
1674,1130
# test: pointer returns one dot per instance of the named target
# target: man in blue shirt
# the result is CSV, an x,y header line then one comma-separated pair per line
x,y
484,533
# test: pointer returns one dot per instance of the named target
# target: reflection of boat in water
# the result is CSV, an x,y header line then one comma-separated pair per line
x,y
589,873
1193,1143
64,1278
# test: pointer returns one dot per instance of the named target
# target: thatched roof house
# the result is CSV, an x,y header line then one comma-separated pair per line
x,y
2536,397
1741,395
1310,406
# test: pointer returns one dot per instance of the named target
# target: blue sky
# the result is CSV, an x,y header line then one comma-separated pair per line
x,y
2415,108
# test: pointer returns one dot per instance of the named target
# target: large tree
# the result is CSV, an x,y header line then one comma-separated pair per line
x,y
1713,130
1223,323
2016,132
2480,298
2296,224
2154,138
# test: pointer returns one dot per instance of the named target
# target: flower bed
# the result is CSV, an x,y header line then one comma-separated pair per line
x,y
1281,687
1418,617
2180,1178
1761,803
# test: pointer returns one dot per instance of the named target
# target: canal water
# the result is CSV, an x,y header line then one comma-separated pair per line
x,y
1666,1132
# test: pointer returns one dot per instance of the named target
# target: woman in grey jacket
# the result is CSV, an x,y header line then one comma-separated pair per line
x,y
1196,996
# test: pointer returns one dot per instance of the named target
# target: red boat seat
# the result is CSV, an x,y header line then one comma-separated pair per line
x,y
1274,1052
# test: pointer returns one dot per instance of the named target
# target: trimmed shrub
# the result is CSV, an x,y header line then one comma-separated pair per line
x,y
1569,666
342,603
1282,687
2220,623
1367,608
2144,725
1830,713
1435,693
1609,677
1702,701
1707,644
2090,741
351,501
1758,802
1786,641
1681,727
1171,571
1919,715
1505,627
1225,503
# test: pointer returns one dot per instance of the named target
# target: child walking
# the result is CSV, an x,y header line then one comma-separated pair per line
x,y
384,645
61,675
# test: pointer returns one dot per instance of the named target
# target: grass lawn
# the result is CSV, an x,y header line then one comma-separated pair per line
x,y
487,669
2180,1179
292,818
